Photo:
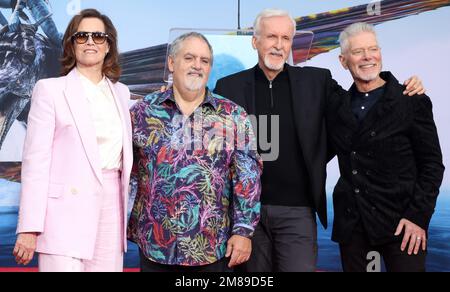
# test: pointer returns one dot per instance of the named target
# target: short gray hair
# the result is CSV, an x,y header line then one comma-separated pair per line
x,y
268,13
353,30
176,45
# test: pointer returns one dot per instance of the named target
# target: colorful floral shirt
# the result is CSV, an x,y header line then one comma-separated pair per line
x,y
198,179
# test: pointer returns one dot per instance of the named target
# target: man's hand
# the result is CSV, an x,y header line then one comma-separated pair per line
x,y
25,248
239,248
414,234
413,86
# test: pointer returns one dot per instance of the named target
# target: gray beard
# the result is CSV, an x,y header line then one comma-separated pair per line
x,y
274,67
195,84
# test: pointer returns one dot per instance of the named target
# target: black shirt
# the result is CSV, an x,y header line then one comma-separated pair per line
x,y
362,102
284,181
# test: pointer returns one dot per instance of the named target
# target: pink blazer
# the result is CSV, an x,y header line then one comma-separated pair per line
x,y
61,170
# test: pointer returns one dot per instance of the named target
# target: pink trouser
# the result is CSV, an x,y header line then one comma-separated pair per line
x,y
108,254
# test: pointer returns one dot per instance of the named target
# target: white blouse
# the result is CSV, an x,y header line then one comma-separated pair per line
x,y
107,122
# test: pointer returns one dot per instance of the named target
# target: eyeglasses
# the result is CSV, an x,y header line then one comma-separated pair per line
x,y
82,37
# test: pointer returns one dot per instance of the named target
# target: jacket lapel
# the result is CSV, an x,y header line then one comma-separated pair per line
x,y
123,109
79,108
346,115
249,92
300,103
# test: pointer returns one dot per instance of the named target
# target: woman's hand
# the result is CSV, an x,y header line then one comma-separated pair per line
x,y
25,248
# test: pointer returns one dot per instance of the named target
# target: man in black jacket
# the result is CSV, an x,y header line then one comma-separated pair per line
x,y
390,162
293,184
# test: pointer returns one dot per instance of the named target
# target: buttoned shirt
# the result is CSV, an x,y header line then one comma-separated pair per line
x,y
107,122
198,179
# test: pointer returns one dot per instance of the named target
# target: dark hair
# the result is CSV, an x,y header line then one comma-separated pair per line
x,y
111,67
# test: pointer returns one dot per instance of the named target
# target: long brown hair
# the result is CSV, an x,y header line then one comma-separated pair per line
x,y
111,67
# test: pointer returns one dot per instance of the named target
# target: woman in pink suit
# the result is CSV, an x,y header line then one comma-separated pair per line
x,y
77,157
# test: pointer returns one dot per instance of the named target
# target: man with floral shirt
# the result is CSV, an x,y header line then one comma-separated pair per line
x,y
197,171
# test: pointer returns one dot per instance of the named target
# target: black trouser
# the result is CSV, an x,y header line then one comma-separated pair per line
x,y
147,266
285,241
354,255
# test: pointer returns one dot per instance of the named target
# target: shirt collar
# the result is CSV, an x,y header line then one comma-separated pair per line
x,y
260,75
90,84
210,98
365,95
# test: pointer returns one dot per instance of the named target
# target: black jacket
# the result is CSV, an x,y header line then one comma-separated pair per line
x,y
391,164
310,88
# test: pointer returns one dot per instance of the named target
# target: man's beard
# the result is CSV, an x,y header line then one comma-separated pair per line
x,y
367,77
194,83
277,66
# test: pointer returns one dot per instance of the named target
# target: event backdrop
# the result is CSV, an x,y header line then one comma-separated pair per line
x,y
414,37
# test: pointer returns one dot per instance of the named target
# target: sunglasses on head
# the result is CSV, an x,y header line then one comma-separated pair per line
x,y
82,37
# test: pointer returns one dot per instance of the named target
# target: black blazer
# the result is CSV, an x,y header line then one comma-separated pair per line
x,y
310,88
391,164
